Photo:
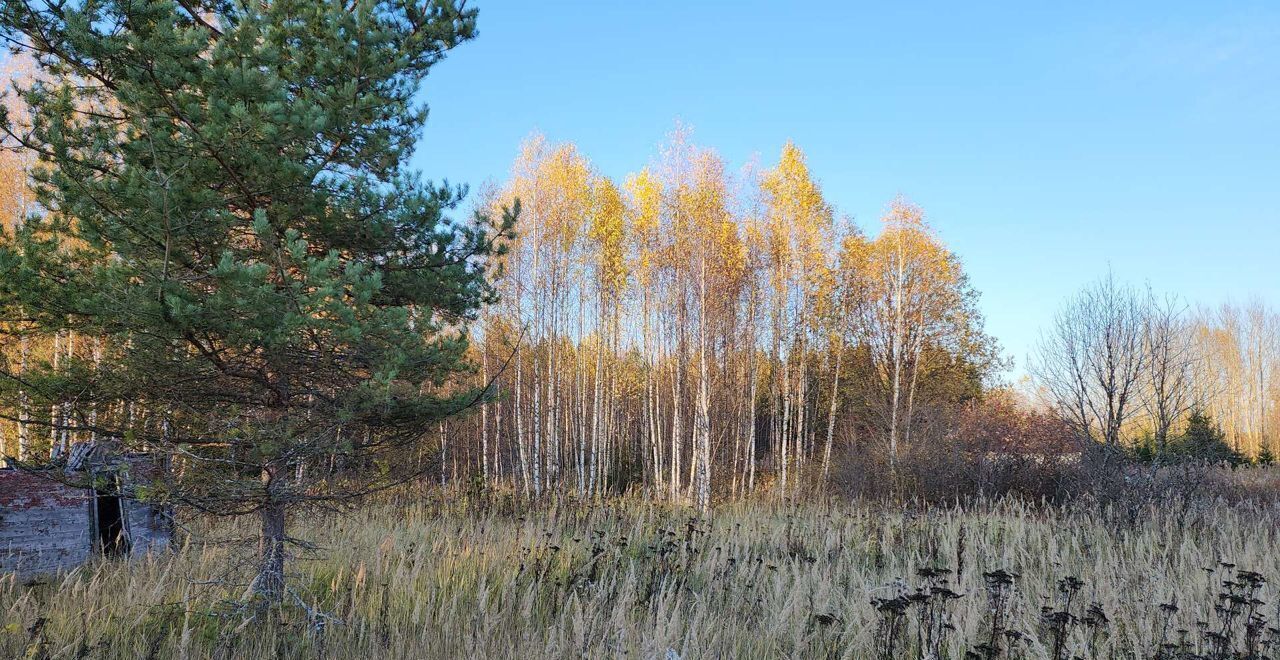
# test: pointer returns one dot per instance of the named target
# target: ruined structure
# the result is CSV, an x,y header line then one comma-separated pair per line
x,y
57,517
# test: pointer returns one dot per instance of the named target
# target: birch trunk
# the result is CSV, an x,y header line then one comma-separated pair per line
x,y
831,411
24,403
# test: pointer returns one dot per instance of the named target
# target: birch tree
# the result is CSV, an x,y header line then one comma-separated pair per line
x,y
917,297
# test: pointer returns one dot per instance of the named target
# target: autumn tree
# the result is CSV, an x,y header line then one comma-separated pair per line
x,y
918,301
798,234
607,237
644,210
710,282
541,282
851,292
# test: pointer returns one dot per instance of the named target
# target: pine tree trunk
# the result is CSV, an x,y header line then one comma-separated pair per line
x,y
270,584
444,455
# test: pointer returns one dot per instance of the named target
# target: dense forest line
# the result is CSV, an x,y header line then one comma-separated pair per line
x,y
688,330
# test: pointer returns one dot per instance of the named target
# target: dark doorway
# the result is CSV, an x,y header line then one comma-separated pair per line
x,y
111,540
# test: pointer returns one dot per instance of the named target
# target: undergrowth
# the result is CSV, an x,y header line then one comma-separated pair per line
x,y
430,579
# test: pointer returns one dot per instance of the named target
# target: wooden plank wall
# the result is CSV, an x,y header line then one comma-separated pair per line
x,y
45,526
150,527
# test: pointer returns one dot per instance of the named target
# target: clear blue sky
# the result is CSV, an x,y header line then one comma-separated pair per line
x,y
1046,143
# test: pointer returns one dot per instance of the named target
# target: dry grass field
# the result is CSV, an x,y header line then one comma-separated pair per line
x,y
762,580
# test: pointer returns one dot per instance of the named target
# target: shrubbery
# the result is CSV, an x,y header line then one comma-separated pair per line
x,y
996,448
990,448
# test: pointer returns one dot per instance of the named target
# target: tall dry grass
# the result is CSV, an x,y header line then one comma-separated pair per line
x,y
758,580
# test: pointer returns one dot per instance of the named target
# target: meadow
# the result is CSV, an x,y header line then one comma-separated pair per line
x,y
434,577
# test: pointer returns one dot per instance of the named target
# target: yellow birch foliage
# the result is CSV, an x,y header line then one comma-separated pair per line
x,y
798,226
915,284
644,210
552,183
608,232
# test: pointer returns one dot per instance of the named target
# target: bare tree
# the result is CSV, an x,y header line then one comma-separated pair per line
x,y
1170,359
1093,359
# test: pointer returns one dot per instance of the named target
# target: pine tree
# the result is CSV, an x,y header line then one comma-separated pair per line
x,y
1203,440
279,304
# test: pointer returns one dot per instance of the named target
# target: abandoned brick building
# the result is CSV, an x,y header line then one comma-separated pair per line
x,y
57,518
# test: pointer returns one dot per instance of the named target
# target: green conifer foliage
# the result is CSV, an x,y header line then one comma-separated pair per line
x,y
258,287
1204,440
